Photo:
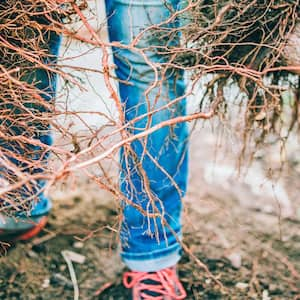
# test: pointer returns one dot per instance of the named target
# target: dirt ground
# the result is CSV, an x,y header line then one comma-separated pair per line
x,y
250,250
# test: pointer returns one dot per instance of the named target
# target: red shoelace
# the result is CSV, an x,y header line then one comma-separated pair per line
x,y
164,284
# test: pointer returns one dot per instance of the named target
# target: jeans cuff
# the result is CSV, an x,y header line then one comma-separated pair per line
x,y
152,264
145,3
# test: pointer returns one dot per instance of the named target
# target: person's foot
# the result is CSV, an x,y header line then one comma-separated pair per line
x,y
160,285
20,229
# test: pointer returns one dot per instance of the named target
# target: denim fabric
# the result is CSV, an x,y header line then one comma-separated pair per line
x,y
45,81
148,244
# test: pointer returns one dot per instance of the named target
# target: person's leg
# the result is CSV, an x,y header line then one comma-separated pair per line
x,y
21,156
45,82
148,244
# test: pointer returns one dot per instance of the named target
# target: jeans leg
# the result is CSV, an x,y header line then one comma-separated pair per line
x,y
45,82
147,243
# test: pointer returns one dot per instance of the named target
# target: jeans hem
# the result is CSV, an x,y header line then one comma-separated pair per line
x,y
153,265
141,3
153,261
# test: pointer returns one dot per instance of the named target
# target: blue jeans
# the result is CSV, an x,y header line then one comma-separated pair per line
x,y
148,244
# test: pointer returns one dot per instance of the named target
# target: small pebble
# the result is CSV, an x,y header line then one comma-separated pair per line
x,y
62,267
242,286
61,280
78,245
46,283
235,259
265,295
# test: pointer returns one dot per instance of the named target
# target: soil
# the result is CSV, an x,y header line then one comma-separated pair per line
x,y
251,253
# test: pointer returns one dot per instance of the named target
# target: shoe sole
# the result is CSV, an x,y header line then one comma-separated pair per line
x,y
24,235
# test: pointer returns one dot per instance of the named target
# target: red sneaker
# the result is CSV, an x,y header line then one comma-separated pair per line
x,y
160,285
13,229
